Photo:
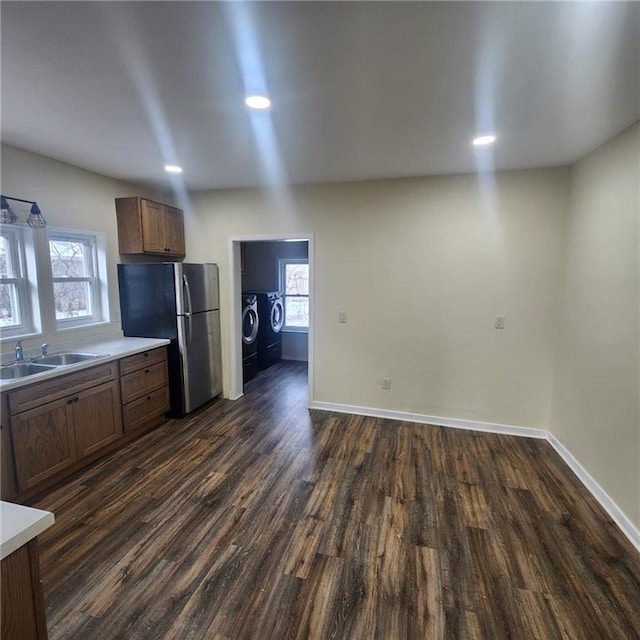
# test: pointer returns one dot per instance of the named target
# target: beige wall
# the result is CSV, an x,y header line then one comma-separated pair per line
x,y
71,198
422,267
596,391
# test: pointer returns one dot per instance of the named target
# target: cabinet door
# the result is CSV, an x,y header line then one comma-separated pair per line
x,y
23,613
8,487
153,227
97,417
7,469
174,231
43,442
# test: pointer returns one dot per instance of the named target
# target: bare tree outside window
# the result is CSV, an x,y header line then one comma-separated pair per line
x,y
12,282
74,281
295,279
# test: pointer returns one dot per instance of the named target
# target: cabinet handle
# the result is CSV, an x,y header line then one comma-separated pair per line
x,y
146,370
76,399
70,401
146,354
148,397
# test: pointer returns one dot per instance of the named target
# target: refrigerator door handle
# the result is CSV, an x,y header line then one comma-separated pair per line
x,y
187,313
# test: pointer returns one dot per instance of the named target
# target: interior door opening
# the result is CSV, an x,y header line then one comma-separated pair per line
x,y
272,303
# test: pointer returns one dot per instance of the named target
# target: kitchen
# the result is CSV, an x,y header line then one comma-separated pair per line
x,y
438,248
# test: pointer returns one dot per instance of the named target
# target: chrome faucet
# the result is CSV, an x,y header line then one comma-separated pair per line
x,y
19,352
45,350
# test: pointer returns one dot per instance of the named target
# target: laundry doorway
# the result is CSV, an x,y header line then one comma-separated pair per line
x,y
272,305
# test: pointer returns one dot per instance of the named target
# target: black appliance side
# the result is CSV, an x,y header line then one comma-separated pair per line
x,y
250,330
148,310
269,339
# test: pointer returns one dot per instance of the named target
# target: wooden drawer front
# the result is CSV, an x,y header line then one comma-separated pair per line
x,y
38,393
148,409
142,360
138,383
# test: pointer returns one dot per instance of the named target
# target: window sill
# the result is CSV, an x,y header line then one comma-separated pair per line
x,y
88,325
21,336
295,330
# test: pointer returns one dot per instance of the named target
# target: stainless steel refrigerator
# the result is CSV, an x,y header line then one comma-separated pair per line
x,y
181,302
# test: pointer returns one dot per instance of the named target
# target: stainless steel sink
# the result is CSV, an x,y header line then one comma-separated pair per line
x,y
22,369
61,359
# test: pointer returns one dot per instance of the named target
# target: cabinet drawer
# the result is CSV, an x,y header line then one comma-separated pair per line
x,y
147,410
143,381
142,360
36,394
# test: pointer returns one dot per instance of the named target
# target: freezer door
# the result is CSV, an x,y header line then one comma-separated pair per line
x,y
147,300
200,350
198,284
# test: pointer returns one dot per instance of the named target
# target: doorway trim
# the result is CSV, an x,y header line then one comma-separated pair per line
x,y
235,291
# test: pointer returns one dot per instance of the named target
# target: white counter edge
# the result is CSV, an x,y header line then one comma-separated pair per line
x,y
19,525
109,350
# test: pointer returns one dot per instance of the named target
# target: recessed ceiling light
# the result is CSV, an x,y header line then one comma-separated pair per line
x,y
482,141
257,102
172,168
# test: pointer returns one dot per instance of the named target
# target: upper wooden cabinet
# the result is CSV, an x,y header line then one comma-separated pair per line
x,y
145,226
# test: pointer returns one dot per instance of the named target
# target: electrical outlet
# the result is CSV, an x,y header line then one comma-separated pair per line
x,y
499,323
342,317
386,383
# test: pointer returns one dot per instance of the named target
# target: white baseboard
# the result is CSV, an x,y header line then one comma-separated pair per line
x,y
437,421
616,514
606,502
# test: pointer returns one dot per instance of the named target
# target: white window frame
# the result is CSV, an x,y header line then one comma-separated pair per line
x,y
96,278
283,262
15,236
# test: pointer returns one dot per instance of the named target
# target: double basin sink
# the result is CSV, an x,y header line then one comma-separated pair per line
x,y
17,370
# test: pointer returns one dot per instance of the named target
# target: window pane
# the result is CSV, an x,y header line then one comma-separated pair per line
x,y
296,312
72,299
6,262
9,307
296,279
69,259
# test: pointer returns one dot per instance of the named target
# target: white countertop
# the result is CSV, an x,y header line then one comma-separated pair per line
x,y
19,525
111,350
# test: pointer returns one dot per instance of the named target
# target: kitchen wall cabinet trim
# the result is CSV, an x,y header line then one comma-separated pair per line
x,y
149,227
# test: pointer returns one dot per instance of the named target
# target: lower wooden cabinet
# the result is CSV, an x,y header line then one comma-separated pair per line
x,y
8,487
55,424
145,392
146,411
97,417
57,434
23,615
43,442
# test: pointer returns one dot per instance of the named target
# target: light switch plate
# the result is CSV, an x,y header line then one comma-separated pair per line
x,y
499,323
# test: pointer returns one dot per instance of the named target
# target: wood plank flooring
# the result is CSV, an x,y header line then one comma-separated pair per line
x,y
258,519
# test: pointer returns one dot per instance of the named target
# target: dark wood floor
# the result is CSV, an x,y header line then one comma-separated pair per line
x,y
259,519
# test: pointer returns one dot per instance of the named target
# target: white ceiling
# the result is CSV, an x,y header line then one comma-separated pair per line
x,y
359,89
